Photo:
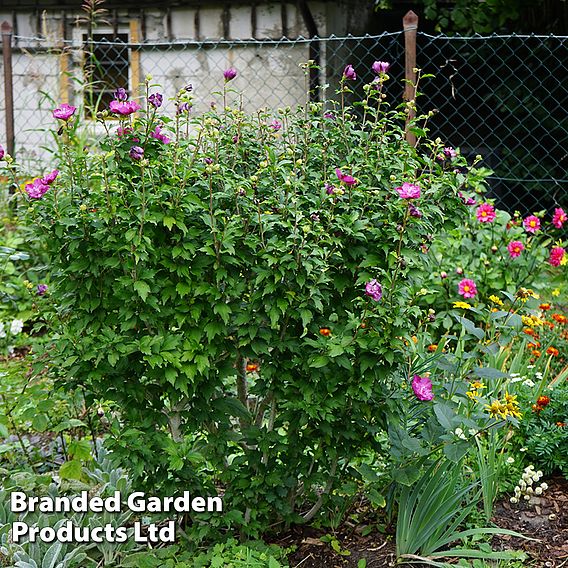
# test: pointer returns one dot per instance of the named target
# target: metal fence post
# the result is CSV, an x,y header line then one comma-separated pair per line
x,y
410,26
8,86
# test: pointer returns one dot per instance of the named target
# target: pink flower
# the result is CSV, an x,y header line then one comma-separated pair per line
x,y
485,213
422,387
374,290
349,73
556,256
157,134
123,107
515,248
50,177
275,125
467,288
449,152
559,217
466,200
64,111
36,189
531,224
408,191
229,74
345,178
379,67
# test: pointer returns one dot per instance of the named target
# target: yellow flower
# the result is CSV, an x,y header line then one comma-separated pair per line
x,y
463,305
472,394
477,385
496,409
496,300
556,292
532,321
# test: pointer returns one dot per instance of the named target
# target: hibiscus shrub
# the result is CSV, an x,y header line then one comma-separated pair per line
x,y
240,287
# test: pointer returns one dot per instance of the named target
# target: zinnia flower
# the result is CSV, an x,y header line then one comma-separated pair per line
x,y
374,290
556,256
156,100
463,305
229,74
467,288
531,224
64,111
422,387
515,248
345,178
123,108
485,213
349,73
408,191
559,217
379,67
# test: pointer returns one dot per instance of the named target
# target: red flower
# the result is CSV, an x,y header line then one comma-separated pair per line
x,y
325,331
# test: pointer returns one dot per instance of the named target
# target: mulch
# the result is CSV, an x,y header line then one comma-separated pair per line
x,y
544,518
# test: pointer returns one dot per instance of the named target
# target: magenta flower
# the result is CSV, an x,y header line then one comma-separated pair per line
x,y
157,134
156,100
123,108
136,153
275,125
409,191
558,219
345,178
467,288
50,177
515,248
466,200
123,131
374,290
414,211
379,67
485,213
183,107
2,152
531,224
41,289
329,115
449,152
64,111
37,189
422,387
120,94
329,189
556,256
349,73
229,74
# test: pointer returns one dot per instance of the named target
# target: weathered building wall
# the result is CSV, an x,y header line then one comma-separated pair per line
x,y
269,74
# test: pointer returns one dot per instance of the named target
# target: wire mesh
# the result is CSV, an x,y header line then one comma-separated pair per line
x,y
503,97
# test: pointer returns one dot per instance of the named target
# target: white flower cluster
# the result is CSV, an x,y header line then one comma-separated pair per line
x,y
15,327
517,377
526,487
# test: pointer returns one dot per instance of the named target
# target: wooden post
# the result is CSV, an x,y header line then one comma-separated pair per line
x,y
410,26
63,64
8,86
136,80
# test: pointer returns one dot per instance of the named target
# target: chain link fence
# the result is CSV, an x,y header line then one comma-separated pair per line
x,y
503,97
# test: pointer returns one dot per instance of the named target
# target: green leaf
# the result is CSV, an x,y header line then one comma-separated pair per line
x,y
40,423
71,470
142,288
169,222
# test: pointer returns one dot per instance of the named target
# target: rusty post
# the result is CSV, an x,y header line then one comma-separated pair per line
x,y
410,26
8,86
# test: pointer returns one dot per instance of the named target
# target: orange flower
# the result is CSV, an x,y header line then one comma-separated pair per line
x,y
536,408
432,347
545,307
534,345
561,424
543,401
559,318
325,331
552,351
529,331
536,353
252,367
